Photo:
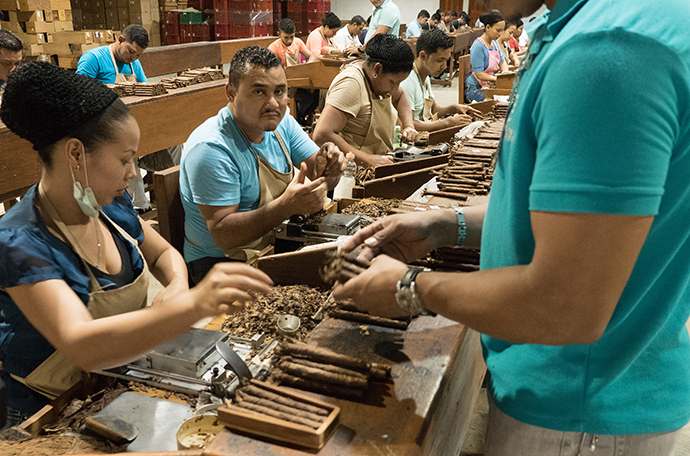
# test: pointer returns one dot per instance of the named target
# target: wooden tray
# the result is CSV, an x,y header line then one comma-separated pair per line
x,y
336,61
285,431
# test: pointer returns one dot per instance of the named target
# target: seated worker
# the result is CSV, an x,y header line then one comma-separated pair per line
x,y
75,255
451,20
365,32
435,21
485,56
385,19
320,40
289,48
359,115
415,28
10,56
462,22
441,25
347,38
237,180
118,62
433,51
504,45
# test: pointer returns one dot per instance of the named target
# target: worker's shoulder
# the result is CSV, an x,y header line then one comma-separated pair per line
x,y
646,23
100,52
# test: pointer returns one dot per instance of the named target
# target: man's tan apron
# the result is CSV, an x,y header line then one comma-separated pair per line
x,y
379,137
428,100
290,59
119,77
57,374
272,184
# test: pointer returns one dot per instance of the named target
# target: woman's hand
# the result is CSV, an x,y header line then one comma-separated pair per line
x,y
373,290
227,287
377,160
408,135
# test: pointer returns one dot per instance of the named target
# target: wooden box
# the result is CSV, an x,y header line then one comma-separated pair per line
x,y
255,423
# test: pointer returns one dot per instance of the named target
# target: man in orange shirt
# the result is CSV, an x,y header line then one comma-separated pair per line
x,y
289,48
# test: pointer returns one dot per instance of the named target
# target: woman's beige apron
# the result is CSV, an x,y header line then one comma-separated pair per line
x,y
379,137
428,100
119,77
57,374
329,42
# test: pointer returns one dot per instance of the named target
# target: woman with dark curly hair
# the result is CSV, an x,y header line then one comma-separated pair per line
x,y
359,115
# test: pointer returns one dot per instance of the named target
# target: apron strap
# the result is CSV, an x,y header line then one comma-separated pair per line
x,y
282,146
112,57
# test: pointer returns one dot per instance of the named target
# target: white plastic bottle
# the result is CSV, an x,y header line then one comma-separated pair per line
x,y
347,179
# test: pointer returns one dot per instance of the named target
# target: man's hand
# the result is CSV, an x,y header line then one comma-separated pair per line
x,y
468,110
301,198
330,161
351,50
408,135
458,120
373,290
406,237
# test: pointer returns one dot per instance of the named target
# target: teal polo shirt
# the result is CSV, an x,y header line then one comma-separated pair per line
x,y
600,123
387,14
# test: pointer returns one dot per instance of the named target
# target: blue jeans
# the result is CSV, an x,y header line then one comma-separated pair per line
x,y
506,436
474,93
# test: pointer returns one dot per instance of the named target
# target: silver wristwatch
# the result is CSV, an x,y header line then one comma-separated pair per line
x,y
406,293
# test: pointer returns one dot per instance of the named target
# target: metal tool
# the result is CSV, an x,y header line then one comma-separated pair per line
x,y
237,364
112,428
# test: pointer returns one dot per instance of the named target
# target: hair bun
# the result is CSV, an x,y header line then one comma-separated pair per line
x,y
43,103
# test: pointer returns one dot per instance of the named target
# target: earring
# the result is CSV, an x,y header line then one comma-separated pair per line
x,y
376,76
77,168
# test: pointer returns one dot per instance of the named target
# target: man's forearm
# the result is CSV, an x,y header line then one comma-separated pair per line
x,y
323,136
241,228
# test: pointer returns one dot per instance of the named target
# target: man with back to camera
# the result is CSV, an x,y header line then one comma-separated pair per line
x,y
584,290
347,38
237,181
10,56
433,51
415,28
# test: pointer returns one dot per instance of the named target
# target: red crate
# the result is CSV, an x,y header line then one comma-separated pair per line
x,y
172,40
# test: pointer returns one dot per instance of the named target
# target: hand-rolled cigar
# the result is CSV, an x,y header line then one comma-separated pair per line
x,y
276,414
366,318
327,367
342,268
303,350
457,196
244,396
262,393
320,375
302,383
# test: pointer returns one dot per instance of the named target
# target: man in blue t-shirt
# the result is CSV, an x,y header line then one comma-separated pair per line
x,y
118,62
237,180
415,28
584,288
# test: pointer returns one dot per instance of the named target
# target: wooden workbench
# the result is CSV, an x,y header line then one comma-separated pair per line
x,y
438,371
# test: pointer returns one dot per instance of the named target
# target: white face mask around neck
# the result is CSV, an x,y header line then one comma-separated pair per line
x,y
84,196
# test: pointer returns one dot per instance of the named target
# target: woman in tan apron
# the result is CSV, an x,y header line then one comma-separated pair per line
x,y
365,100
74,276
